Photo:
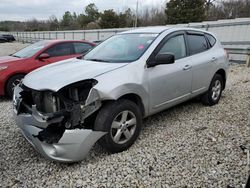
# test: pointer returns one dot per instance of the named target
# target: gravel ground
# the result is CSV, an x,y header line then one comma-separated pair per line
x,y
190,145
10,48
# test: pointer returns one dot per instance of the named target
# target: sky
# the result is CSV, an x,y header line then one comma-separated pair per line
x,y
21,10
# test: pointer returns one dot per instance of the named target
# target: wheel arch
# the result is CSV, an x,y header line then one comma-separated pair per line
x,y
136,99
9,77
222,72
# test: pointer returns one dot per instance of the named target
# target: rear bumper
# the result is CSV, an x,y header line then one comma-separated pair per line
x,y
73,146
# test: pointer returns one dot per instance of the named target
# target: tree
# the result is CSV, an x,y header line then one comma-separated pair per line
x,y
92,12
67,20
129,18
122,20
152,16
185,11
176,11
229,9
83,20
109,19
35,25
91,15
93,25
53,23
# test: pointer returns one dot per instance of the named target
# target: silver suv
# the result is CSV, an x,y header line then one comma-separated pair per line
x,y
63,109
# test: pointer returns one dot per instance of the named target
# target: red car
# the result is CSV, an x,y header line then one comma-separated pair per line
x,y
15,66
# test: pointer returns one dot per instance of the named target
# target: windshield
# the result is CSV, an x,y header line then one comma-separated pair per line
x,y
121,48
31,50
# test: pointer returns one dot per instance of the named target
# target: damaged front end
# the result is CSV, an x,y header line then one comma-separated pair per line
x,y
56,123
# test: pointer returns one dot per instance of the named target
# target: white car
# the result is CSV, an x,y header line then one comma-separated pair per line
x,y
63,109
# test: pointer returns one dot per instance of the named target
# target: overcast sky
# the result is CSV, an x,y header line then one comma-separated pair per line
x,y
21,10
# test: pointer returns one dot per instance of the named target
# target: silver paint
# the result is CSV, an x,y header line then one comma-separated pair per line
x,y
73,146
158,87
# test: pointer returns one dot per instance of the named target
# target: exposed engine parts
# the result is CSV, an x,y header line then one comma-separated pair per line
x,y
68,108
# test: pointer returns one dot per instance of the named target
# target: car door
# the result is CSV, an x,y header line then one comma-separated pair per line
x,y
202,61
170,84
56,53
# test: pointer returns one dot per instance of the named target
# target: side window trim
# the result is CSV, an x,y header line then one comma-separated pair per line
x,y
199,34
164,40
190,32
208,41
186,43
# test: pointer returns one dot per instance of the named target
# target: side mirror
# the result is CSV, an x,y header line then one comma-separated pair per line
x,y
164,58
44,56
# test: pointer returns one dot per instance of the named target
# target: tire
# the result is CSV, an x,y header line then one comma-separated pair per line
x,y
122,121
212,96
11,83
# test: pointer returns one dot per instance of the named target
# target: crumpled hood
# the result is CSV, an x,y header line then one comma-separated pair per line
x,y
7,59
58,75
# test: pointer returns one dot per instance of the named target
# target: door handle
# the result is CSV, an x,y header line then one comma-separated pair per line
x,y
187,67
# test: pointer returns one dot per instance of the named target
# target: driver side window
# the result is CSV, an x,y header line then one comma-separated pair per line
x,y
62,49
175,45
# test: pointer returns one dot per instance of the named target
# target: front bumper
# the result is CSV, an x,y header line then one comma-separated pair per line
x,y
73,145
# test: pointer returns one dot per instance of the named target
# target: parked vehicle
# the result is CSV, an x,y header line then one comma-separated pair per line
x,y
64,108
2,39
15,66
9,38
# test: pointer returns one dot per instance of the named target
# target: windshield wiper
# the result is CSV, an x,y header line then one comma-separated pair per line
x,y
98,60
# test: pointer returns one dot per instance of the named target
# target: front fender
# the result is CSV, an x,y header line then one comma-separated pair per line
x,y
121,90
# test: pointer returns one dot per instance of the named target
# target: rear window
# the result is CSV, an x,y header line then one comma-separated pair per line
x,y
211,40
81,48
197,44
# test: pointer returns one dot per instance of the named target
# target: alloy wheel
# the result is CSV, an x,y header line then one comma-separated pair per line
x,y
123,127
216,90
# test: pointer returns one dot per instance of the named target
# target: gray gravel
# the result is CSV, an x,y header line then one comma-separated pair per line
x,y
190,145
10,48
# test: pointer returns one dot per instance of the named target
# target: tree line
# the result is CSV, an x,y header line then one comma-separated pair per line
x,y
174,12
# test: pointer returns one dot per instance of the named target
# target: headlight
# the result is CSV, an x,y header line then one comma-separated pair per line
x,y
3,67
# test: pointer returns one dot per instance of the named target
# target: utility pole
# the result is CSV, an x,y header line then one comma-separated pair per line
x,y
136,14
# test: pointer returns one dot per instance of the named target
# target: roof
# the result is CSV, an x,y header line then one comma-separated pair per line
x,y
54,41
160,29
155,29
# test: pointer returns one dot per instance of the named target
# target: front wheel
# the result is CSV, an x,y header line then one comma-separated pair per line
x,y
212,96
122,121
12,83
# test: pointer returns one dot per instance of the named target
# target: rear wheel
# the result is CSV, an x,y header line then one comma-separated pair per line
x,y
212,96
12,83
122,121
